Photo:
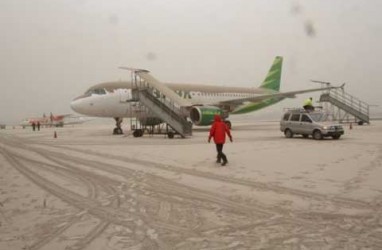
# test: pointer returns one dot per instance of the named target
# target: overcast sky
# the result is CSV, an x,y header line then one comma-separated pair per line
x,y
53,50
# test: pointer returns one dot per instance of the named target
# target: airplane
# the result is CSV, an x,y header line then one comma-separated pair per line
x,y
53,120
114,99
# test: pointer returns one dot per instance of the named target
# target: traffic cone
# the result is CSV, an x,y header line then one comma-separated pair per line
x,y
55,134
351,126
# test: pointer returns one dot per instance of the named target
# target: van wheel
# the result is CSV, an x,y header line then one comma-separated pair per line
x,y
317,135
288,133
336,137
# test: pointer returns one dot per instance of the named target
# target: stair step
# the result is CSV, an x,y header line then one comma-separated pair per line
x,y
348,103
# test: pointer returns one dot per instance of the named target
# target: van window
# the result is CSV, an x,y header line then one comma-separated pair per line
x,y
295,117
286,117
305,118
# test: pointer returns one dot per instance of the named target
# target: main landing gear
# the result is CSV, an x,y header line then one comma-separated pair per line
x,y
118,130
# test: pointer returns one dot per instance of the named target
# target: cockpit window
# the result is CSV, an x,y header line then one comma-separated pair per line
x,y
96,92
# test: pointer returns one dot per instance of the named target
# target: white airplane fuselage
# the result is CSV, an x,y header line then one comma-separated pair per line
x,y
108,105
114,99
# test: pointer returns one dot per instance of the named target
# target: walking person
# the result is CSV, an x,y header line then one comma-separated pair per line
x,y
33,126
218,131
38,126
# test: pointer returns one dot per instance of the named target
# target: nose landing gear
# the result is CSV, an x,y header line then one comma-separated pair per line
x,y
118,130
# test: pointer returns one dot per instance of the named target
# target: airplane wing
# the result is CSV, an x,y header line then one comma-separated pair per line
x,y
77,120
290,94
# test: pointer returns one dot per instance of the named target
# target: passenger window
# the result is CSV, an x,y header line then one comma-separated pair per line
x,y
286,117
305,118
295,117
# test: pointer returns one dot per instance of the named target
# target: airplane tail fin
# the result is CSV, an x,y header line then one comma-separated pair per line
x,y
273,78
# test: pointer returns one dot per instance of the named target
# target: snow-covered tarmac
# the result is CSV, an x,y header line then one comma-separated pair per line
x,y
87,189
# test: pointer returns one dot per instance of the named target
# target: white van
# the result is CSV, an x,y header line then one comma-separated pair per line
x,y
314,123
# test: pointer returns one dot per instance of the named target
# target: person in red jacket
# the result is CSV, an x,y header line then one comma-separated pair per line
x,y
218,131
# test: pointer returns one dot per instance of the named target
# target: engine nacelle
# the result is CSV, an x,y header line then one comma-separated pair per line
x,y
204,115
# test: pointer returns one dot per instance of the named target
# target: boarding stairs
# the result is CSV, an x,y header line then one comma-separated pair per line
x,y
161,101
347,103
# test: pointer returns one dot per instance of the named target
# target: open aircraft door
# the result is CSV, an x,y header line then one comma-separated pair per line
x,y
125,95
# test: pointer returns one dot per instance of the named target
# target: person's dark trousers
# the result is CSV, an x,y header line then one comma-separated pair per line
x,y
221,155
308,108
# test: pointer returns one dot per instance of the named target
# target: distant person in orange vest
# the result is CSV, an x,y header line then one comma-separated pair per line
x,y
218,131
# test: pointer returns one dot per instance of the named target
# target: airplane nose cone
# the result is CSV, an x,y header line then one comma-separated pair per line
x,y
76,105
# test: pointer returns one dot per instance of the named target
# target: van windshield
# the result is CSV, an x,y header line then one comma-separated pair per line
x,y
320,117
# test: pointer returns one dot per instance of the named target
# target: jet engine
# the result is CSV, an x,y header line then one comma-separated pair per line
x,y
204,115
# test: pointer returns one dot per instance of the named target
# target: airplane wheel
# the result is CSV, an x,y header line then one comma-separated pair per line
x,y
137,133
117,131
140,132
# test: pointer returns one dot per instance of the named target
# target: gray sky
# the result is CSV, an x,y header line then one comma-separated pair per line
x,y
52,50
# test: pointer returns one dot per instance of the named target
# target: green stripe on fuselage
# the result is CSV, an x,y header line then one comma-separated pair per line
x,y
257,105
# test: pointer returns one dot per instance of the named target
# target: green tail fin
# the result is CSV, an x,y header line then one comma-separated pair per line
x,y
272,81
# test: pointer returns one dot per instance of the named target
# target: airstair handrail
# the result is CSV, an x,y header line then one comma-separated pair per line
x,y
164,89
350,100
